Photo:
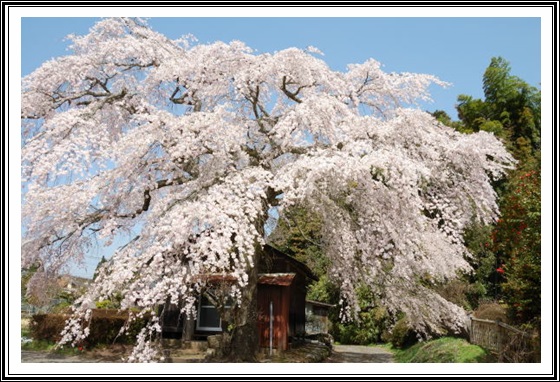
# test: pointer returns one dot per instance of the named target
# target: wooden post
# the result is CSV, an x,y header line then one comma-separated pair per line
x,y
271,330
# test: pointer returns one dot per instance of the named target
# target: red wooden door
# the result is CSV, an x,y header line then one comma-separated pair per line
x,y
278,295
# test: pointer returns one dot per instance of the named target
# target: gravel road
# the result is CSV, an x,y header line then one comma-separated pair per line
x,y
359,354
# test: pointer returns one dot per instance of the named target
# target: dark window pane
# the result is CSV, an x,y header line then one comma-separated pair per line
x,y
209,318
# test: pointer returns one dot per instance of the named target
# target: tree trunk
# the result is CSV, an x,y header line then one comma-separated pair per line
x,y
241,344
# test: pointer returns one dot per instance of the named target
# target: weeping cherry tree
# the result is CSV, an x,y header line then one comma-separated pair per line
x,y
186,148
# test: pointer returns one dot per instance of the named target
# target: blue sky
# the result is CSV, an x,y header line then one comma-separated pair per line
x,y
457,50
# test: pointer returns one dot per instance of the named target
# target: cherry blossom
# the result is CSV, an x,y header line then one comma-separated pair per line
x,y
186,147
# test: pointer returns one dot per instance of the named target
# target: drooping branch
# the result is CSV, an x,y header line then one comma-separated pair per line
x,y
105,214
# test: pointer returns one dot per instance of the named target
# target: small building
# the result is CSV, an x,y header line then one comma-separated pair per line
x,y
71,283
317,317
281,292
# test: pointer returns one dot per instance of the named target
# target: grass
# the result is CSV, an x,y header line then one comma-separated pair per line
x,y
38,345
442,350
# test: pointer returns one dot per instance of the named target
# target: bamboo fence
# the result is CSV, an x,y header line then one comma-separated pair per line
x,y
509,344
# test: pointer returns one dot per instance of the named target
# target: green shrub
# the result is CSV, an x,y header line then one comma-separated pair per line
x,y
113,302
402,335
105,304
461,293
367,331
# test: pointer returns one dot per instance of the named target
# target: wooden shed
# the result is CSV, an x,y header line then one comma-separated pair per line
x,y
317,317
281,292
282,288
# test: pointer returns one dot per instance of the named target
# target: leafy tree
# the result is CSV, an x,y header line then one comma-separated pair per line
x,y
514,102
484,280
517,240
372,323
299,235
192,146
444,118
472,112
510,110
509,268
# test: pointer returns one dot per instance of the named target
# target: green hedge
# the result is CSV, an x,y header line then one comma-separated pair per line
x,y
104,327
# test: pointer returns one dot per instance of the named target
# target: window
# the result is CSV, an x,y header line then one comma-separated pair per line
x,y
208,316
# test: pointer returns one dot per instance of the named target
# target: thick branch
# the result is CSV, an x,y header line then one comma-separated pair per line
x,y
148,197
289,94
184,99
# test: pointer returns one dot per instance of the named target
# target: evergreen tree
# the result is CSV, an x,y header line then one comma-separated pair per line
x,y
98,267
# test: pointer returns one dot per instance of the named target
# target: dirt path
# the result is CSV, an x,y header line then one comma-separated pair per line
x,y
340,354
359,354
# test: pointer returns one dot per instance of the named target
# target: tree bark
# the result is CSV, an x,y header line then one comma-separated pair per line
x,y
241,344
